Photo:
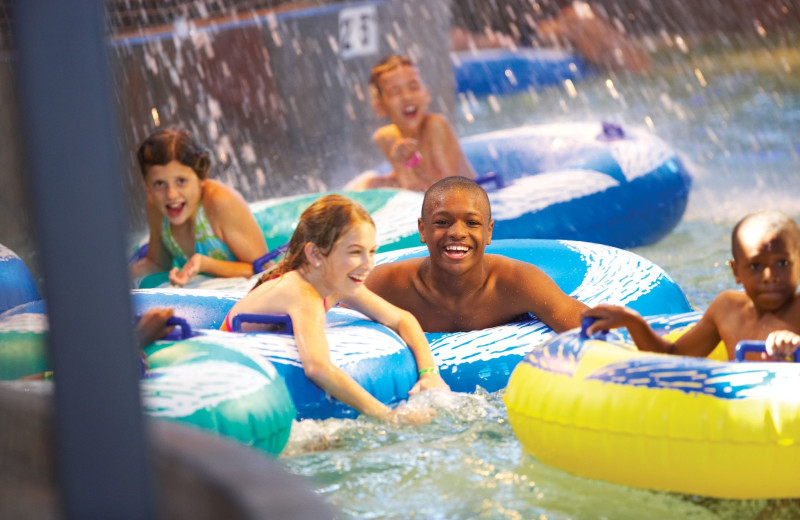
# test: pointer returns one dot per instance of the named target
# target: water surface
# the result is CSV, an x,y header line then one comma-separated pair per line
x,y
732,109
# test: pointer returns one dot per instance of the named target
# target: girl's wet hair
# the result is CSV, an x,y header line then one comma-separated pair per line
x,y
323,223
174,144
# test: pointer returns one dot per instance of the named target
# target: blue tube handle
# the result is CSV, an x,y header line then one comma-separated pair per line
x,y
260,262
266,319
745,346
175,321
491,177
585,323
186,330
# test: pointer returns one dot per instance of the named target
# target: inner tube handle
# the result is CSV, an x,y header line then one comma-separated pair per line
x,y
494,177
176,321
745,346
266,319
585,323
260,262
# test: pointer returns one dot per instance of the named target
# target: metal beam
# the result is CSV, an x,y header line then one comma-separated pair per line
x,y
74,178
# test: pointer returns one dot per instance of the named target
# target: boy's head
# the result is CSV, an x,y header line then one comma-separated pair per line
x,y
456,221
766,258
447,187
398,91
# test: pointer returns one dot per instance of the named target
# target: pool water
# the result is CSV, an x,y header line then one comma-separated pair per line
x,y
732,108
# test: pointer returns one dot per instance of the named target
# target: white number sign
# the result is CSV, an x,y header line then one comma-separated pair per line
x,y
358,31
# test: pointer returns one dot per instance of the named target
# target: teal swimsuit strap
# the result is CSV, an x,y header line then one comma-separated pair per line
x,y
205,241
171,245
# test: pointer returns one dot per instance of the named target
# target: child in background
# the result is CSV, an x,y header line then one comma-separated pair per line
x,y
766,262
421,147
330,254
197,225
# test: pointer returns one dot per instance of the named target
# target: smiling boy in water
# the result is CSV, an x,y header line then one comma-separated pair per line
x,y
421,147
458,287
766,262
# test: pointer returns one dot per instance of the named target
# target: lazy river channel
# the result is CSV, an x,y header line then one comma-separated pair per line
x,y
733,110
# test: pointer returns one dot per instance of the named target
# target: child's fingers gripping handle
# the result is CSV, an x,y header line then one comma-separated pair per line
x,y
587,322
186,330
746,346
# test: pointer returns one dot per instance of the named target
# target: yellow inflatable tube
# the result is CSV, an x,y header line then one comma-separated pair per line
x,y
602,409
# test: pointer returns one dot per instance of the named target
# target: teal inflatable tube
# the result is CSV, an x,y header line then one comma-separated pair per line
x,y
197,382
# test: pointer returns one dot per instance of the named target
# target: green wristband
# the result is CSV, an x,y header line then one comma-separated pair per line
x,y
427,370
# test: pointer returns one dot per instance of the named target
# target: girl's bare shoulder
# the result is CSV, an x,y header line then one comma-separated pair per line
x,y
221,201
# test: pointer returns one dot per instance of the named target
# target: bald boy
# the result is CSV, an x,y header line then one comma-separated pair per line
x,y
766,262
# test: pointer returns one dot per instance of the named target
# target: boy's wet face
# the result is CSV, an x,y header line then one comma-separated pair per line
x,y
768,267
456,226
404,98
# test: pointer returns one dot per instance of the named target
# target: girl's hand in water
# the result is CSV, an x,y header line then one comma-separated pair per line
x,y
428,382
410,414
187,272
781,344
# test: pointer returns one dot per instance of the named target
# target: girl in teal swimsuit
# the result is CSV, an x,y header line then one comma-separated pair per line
x,y
197,225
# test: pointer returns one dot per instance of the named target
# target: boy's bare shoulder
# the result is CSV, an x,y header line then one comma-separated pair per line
x,y
510,268
394,273
437,123
727,302
512,274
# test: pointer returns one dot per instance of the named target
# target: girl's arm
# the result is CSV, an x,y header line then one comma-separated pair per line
x,y
230,216
308,320
407,327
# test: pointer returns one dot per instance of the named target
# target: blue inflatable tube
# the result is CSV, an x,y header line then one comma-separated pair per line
x,y
17,286
503,71
373,355
594,182
378,359
591,273
597,183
